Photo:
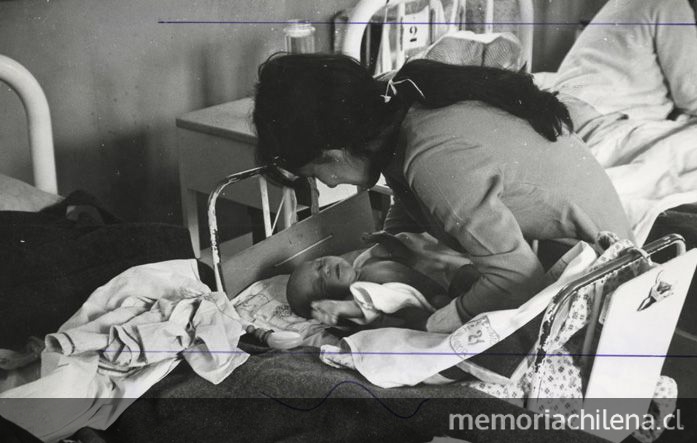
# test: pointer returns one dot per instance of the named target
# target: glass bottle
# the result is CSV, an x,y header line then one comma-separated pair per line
x,y
300,37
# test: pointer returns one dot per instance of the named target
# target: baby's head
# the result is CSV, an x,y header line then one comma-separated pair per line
x,y
323,278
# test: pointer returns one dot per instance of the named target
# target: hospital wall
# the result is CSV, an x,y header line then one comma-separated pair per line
x,y
556,28
116,80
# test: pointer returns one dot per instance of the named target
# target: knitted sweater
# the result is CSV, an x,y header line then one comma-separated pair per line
x,y
483,182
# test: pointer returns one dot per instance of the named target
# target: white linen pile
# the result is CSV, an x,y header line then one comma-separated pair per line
x,y
126,337
652,164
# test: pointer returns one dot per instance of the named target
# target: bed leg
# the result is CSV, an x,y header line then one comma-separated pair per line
x,y
190,214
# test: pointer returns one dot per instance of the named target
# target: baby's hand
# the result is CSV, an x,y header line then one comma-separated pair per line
x,y
325,312
330,311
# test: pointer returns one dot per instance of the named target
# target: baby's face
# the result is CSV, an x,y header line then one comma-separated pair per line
x,y
323,278
328,277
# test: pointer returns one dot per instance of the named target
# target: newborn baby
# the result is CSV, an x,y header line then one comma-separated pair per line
x,y
321,288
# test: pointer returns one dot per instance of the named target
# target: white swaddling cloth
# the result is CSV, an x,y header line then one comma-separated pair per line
x,y
376,299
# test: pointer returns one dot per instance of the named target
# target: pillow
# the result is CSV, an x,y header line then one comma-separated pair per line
x,y
466,48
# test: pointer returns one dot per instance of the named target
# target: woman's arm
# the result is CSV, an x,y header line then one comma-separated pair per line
x,y
462,190
352,255
398,219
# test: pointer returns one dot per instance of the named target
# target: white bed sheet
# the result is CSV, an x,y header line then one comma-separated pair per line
x,y
651,163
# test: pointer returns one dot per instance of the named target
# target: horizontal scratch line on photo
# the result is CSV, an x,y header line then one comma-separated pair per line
x,y
506,23
425,354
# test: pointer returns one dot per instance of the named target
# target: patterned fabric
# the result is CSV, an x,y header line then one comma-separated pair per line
x,y
551,372
561,380
664,401
564,318
264,304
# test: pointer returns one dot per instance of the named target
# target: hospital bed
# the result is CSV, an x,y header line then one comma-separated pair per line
x,y
648,160
270,396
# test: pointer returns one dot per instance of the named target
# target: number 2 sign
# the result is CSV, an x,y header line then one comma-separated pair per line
x,y
415,30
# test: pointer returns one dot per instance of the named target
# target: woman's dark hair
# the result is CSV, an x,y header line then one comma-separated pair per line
x,y
308,103
514,92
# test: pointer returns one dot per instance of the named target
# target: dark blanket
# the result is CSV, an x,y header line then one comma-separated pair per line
x,y
278,396
51,261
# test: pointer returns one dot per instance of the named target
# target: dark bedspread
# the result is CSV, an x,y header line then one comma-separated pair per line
x,y
279,396
50,263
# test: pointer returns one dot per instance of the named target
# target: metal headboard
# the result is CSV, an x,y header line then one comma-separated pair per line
x,y
363,12
38,122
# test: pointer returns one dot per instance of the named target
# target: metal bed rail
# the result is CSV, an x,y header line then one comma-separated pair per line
x,y
631,256
284,207
38,122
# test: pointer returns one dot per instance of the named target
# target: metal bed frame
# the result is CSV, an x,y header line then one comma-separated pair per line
x,y
362,14
38,122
